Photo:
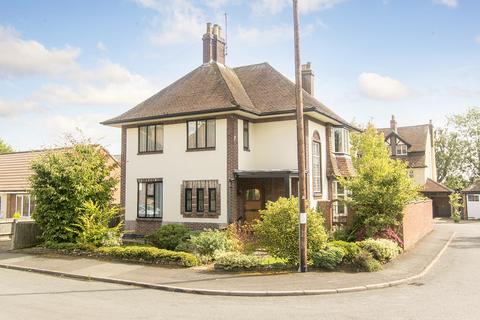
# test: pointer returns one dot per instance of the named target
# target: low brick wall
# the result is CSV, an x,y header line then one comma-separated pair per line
x,y
26,234
417,222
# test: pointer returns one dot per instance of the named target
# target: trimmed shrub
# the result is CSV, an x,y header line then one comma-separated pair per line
x,y
230,261
390,234
149,254
365,262
351,249
382,250
169,236
277,231
329,258
92,227
208,242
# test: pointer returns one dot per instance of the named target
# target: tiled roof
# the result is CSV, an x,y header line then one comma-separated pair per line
x,y
258,89
341,166
416,137
15,170
433,186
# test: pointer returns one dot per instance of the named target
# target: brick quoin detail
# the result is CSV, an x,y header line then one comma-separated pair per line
x,y
232,165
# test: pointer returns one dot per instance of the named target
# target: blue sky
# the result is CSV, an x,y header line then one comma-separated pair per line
x,y
71,64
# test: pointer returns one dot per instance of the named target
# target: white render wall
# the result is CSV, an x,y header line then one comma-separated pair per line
x,y
273,146
174,165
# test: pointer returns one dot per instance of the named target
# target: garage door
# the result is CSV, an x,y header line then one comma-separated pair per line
x,y
473,206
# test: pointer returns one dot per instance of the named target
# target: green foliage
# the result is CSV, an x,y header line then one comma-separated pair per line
x,y
231,261
381,188
17,216
350,249
4,147
365,262
169,236
341,233
329,258
62,181
242,237
456,183
382,250
456,204
449,154
209,242
149,254
278,228
92,226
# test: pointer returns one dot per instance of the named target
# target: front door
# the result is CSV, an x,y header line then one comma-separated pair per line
x,y
253,204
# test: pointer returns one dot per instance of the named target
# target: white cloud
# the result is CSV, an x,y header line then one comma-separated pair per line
x,y
448,3
477,39
12,108
19,57
179,21
266,36
101,46
305,6
380,87
88,125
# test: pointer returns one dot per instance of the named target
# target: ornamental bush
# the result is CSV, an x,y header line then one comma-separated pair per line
x,y
351,249
382,250
365,262
62,181
329,258
93,226
278,229
208,242
169,236
150,255
231,261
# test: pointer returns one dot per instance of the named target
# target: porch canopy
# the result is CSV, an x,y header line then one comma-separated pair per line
x,y
273,175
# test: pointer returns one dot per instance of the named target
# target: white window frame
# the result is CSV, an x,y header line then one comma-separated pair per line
x,y
401,150
21,211
344,146
473,198
317,167
339,217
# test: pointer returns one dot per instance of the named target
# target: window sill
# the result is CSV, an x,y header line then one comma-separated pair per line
x,y
149,152
317,195
341,153
200,149
246,149
149,219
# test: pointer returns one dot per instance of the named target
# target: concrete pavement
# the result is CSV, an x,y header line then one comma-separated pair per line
x,y
203,280
449,291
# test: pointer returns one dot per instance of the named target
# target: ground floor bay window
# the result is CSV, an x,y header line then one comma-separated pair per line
x,y
150,198
340,210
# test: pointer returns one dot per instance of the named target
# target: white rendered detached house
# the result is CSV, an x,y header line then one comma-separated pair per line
x,y
213,147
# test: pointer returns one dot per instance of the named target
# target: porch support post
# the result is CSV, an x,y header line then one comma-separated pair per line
x,y
288,189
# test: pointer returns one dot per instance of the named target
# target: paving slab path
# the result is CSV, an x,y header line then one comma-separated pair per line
x,y
205,280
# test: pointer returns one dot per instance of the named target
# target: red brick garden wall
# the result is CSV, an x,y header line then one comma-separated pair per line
x,y
417,222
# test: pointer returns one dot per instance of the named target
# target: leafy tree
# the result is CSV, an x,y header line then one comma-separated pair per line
x,y
381,188
456,182
449,153
63,181
467,127
4,147
456,204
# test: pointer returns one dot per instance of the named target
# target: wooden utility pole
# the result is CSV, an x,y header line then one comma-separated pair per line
x,y
300,143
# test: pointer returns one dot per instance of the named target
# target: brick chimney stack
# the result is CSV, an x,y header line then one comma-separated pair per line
x,y
213,44
393,124
308,78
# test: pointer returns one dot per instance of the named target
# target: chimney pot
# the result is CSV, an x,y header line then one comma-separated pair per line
x,y
308,78
393,124
209,28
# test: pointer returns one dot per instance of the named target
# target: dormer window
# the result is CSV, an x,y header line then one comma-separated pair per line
x,y
401,150
341,140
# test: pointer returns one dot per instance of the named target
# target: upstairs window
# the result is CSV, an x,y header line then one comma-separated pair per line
x,y
246,135
341,140
150,139
401,150
201,134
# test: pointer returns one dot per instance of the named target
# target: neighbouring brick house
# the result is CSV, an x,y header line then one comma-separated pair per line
x,y
213,147
416,146
15,172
